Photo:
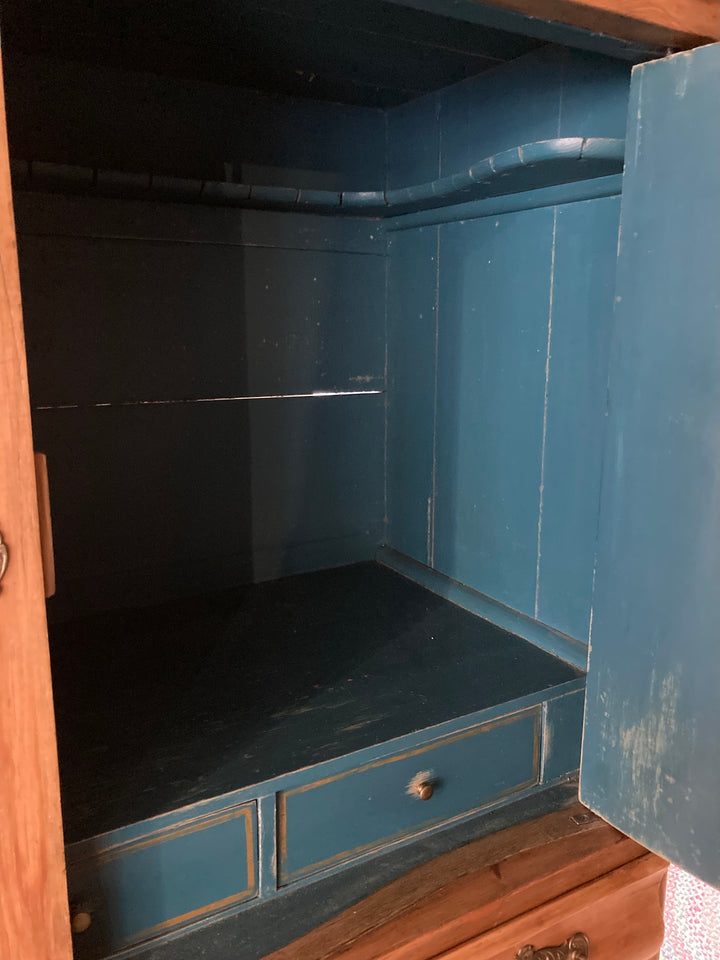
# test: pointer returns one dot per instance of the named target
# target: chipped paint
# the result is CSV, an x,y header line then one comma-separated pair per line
x,y
645,744
160,403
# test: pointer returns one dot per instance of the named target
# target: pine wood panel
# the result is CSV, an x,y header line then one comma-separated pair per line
x,y
620,913
682,24
486,885
34,921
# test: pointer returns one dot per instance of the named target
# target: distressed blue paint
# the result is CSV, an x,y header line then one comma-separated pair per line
x,y
491,376
99,843
258,928
207,496
527,200
366,202
564,94
651,751
141,888
527,167
413,143
267,862
346,658
332,820
583,289
86,857
558,644
319,199
411,305
563,730
480,117
595,96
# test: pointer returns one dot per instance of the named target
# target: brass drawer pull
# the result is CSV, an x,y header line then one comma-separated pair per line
x,y
4,557
80,920
422,785
576,947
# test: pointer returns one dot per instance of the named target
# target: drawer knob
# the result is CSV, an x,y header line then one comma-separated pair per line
x,y
422,786
80,921
425,789
576,947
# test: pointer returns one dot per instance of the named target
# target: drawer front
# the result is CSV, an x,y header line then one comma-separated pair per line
x,y
342,816
617,917
141,889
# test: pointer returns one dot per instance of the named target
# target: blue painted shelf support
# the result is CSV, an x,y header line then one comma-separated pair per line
x,y
532,166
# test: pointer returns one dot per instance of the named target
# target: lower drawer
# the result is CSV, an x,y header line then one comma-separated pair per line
x,y
327,821
141,889
616,917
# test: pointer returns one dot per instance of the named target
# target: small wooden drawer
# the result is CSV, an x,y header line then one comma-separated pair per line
x,y
140,889
620,915
327,821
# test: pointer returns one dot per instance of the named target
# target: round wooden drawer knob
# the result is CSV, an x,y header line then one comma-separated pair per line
x,y
425,790
80,921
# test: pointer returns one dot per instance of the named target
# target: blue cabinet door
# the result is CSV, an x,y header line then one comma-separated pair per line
x,y
651,748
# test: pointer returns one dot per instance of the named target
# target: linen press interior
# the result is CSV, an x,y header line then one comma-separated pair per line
x,y
317,309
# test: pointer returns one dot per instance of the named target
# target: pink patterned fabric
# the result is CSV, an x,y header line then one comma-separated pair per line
x,y
692,918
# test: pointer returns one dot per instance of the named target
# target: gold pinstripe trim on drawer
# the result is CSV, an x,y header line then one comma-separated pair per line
x,y
284,877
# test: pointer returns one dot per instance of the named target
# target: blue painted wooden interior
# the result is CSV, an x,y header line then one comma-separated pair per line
x,y
527,167
651,753
273,338
504,412
355,811
151,884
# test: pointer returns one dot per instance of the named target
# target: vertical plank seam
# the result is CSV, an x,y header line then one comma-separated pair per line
x,y
386,519
545,415
432,499
267,845
433,486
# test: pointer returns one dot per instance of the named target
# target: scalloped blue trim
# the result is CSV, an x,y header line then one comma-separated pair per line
x,y
532,166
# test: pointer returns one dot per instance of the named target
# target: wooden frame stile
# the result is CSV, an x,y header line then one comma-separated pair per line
x,y
34,922
681,24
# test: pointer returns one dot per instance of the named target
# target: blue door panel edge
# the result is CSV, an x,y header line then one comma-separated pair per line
x,y
651,750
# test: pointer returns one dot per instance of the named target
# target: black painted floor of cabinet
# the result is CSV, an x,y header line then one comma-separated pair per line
x,y
164,706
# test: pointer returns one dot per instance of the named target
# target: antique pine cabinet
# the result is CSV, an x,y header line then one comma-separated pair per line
x,y
372,350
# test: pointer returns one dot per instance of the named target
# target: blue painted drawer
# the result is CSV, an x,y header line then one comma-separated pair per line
x,y
143,888
327,821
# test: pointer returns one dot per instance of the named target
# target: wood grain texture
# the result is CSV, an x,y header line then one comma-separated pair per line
x,y
45,518
620,913
34,923
458,896
683,24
